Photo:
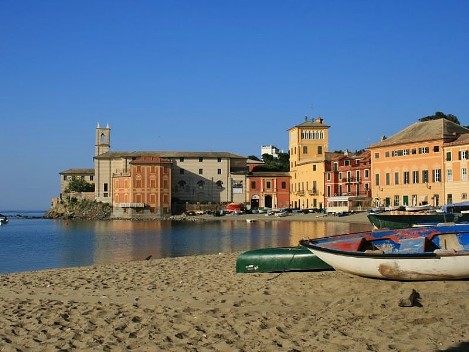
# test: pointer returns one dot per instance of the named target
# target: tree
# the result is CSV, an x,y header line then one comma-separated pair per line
x,y
280,163
79,184
440,115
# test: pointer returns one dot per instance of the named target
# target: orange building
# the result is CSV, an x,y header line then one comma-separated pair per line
x,y
146,188
408,167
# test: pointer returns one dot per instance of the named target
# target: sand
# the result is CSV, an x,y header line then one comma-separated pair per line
x,y
200,304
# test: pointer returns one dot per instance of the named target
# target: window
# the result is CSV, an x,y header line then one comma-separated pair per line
x,y
91,178
386,155
396,178
181,171
415,177
336,166
388,178
314,167
377,179
181,159
284,185
464,196
406,177
367,173
376,155
253,184
423,150
319,149
396,200
65,178
220,184
449,175
201,171
463,174
436,175
347,162
219,171
267,185
463,155
436,148
201,160
357,175
201,184
305,150
425,176
448,156
219,160
328,176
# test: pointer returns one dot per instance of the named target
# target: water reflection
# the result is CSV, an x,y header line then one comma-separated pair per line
x,y
117,241
43,244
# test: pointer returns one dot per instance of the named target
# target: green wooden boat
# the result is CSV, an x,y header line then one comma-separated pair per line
x,y
271,260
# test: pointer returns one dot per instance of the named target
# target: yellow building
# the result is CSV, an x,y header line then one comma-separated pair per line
x,y
456,167
409,167
308,144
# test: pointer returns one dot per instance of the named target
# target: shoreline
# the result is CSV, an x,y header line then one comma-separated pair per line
x,y
352,218
201,304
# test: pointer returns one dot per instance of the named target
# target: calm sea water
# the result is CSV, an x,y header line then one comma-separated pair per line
x,y
36,244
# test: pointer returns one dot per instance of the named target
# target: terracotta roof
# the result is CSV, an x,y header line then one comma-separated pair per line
x,y
166,154
312,124
77,172
462,139
440,129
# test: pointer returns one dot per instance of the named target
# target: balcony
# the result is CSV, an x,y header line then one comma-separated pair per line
x,y
313,192
351,180
300,193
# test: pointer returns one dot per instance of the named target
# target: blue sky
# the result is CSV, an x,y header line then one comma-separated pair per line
x,y
215,76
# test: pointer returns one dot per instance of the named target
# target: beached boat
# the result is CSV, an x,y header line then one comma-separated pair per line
x,y
269,260
423,253
418,207
451,213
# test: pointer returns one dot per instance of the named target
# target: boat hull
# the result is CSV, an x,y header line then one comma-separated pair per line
x,y
402,221
417,253
417,268
279,259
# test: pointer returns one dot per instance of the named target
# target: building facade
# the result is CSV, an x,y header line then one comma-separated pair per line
x,y
456,156
217,177
409,167
269,190
308,144
348,181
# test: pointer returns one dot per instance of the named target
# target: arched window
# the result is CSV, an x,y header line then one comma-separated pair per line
x,y
201,184
219,184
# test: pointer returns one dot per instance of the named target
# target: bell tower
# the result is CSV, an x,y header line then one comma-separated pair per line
x,y
103,140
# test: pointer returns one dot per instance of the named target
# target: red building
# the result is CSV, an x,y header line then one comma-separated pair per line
x,y
348,181
269,189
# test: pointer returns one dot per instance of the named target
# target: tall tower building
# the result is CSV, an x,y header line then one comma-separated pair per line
x,y
103,140
308,144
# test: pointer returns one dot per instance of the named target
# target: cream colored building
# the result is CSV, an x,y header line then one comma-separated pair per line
x,y
456,157
308,144
217,177
409,168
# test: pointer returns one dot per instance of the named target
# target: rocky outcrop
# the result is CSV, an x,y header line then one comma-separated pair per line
x,y
80,210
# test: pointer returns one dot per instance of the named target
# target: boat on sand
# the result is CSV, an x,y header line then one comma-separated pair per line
x,y
269,260
419,253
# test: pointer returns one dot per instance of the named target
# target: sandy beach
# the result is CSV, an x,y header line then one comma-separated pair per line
x,y
201,304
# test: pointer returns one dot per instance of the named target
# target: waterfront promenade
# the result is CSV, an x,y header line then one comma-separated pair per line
x,y
200,304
